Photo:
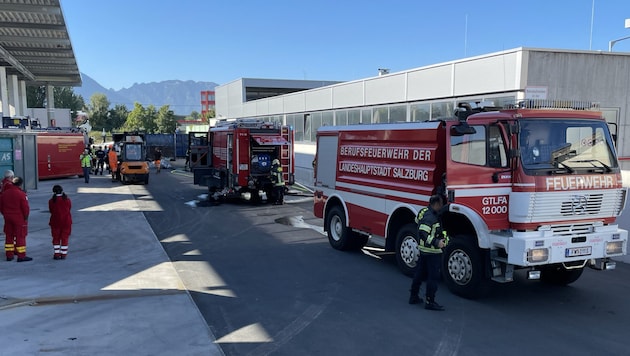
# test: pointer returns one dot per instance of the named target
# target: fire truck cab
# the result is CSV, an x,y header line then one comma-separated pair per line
x,y
536,186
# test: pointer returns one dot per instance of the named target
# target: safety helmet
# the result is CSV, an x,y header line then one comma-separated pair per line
x,y
275,161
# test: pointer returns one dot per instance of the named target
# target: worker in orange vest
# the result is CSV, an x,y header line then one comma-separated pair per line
x,y
113,162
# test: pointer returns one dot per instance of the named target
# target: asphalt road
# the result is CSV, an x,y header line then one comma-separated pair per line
x,y
266,287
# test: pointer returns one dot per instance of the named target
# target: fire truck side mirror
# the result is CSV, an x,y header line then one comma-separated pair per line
x,y
462,129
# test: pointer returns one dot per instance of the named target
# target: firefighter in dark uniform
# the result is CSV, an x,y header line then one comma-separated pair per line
x,y
278,182
432,238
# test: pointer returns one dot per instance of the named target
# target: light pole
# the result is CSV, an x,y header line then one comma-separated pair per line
x,y
612,43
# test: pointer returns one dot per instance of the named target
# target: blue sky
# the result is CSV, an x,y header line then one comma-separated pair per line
x,y
119,43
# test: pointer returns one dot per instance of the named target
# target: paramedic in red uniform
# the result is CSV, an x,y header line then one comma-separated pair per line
x,y
15,209
60,222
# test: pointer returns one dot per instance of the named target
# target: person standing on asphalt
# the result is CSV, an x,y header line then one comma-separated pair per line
x,y
432,238
278,182
113,162
60,222
100,157
15,209
86,164
157,159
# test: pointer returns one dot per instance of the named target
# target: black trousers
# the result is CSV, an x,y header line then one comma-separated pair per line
x,y
427,270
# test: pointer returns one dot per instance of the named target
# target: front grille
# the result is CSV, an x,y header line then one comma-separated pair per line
x,y
573,229
554,206
584,204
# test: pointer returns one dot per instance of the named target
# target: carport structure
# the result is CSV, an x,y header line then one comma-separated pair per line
x,y
35,49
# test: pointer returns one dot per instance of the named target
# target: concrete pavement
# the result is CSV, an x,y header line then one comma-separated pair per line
x,y
116,293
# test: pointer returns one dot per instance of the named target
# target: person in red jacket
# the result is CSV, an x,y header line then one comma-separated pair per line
x,y
60,222
15,209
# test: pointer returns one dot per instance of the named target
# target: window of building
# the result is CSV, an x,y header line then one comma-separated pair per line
x,y
315,123
420,112
341,117
442,109
380,115
366,116
398,113
354,117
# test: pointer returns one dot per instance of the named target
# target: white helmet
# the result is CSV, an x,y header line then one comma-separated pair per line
x,y
275,161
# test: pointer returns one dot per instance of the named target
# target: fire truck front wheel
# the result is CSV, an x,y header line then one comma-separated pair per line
x,y
407,249
340,236
462,268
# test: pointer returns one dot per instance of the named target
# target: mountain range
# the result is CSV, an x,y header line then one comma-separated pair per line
x,y
183,97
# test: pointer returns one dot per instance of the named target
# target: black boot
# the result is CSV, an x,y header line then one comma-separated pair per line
x,y
431,304
414,298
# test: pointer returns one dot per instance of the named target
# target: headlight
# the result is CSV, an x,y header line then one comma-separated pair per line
x,y
538,255
614,248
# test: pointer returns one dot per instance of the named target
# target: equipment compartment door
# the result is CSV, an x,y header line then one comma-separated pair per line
x,y
326,152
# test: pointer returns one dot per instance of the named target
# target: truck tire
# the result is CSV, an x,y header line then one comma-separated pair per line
x,y
407,249
340,236
463,268
560,276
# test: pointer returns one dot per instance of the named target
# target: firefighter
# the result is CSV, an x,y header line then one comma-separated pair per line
x,y
157,158
113,162
8,179
432,238
100,156
15,209
278,182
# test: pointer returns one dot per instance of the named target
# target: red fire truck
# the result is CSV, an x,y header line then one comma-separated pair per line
x,y
535,186
235,158
58,153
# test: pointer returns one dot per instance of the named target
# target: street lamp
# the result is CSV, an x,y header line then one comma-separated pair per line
x,y
612,43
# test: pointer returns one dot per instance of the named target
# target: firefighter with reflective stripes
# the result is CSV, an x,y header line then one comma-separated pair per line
x,y
278,182
432,238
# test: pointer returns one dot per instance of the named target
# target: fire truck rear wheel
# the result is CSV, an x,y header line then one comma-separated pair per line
x,y
340,236
558,275
407,249
462,268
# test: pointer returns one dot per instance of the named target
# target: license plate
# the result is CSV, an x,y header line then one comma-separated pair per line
x,y
578,251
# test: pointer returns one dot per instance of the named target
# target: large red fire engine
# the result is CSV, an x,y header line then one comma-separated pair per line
x,y
528,187
58,152
236,157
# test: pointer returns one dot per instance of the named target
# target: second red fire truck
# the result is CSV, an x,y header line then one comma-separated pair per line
x,y
234,159
531,186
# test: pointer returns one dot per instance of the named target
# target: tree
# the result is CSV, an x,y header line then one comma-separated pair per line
x,y
149,119
134,119
97,111
166,121
207,115
64,98
116,118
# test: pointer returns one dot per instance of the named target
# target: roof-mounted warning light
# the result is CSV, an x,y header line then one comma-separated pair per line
x,y
556,104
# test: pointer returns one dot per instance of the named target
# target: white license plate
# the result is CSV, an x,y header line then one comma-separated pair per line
x,y
578,251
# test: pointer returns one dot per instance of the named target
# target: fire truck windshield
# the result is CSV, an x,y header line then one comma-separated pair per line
x,y
566,146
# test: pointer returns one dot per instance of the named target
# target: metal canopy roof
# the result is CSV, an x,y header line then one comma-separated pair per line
x,y
35,45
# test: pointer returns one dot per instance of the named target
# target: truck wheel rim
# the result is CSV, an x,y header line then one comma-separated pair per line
x,y
409,251
460,267
336,228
